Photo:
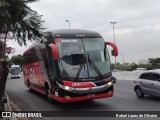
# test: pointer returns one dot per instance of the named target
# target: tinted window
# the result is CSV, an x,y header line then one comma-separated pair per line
x,y
30,56
155,76
145,76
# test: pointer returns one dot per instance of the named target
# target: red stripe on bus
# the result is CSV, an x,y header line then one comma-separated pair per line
x,y
79,84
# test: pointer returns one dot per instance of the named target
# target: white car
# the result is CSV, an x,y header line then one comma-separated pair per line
x,y
140,70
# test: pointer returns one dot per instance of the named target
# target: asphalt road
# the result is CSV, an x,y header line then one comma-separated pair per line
x,y
124,99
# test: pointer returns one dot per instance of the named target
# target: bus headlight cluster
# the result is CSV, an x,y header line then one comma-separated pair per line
x,y
109,83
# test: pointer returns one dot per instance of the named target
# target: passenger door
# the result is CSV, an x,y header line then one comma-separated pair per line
x,y
155,84
145,83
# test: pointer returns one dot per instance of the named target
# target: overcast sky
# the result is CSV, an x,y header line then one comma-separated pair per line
x,y
137,32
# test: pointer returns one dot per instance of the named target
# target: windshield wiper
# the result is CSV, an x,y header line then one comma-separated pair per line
x,y
79,71
94,66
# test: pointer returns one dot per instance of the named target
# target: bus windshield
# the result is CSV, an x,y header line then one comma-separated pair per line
x,y
15,71
83,58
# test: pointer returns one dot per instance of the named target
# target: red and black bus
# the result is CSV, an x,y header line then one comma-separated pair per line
x,y
69,65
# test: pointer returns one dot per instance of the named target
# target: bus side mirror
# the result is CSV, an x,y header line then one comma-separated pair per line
x,y
54,51
114,52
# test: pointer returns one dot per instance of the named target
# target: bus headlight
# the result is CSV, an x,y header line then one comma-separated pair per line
x,y
65,87
109,83
68,88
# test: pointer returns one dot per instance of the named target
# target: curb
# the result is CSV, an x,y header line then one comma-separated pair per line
x,y
7,107
11,107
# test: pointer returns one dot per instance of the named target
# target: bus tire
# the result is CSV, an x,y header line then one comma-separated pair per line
x,y
48,94
29,86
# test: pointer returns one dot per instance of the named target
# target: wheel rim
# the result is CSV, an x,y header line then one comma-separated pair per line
x,y
139,92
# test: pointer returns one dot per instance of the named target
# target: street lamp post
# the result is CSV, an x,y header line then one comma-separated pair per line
x,y
68,23
114,38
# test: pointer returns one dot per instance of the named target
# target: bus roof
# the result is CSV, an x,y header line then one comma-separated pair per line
x,y
77,33
66,33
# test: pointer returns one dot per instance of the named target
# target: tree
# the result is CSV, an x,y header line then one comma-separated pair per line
x,y
24,24
16,59
131,67
154,62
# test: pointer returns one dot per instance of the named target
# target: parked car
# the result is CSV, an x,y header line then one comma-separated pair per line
x,y
148,83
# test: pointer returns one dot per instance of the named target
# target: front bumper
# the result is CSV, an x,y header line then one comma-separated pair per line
x,y
67,99
15,76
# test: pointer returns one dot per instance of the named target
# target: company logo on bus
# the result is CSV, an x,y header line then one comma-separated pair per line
x,y
74,84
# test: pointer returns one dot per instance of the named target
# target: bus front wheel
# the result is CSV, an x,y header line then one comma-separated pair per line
x,y
29,86
48,94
